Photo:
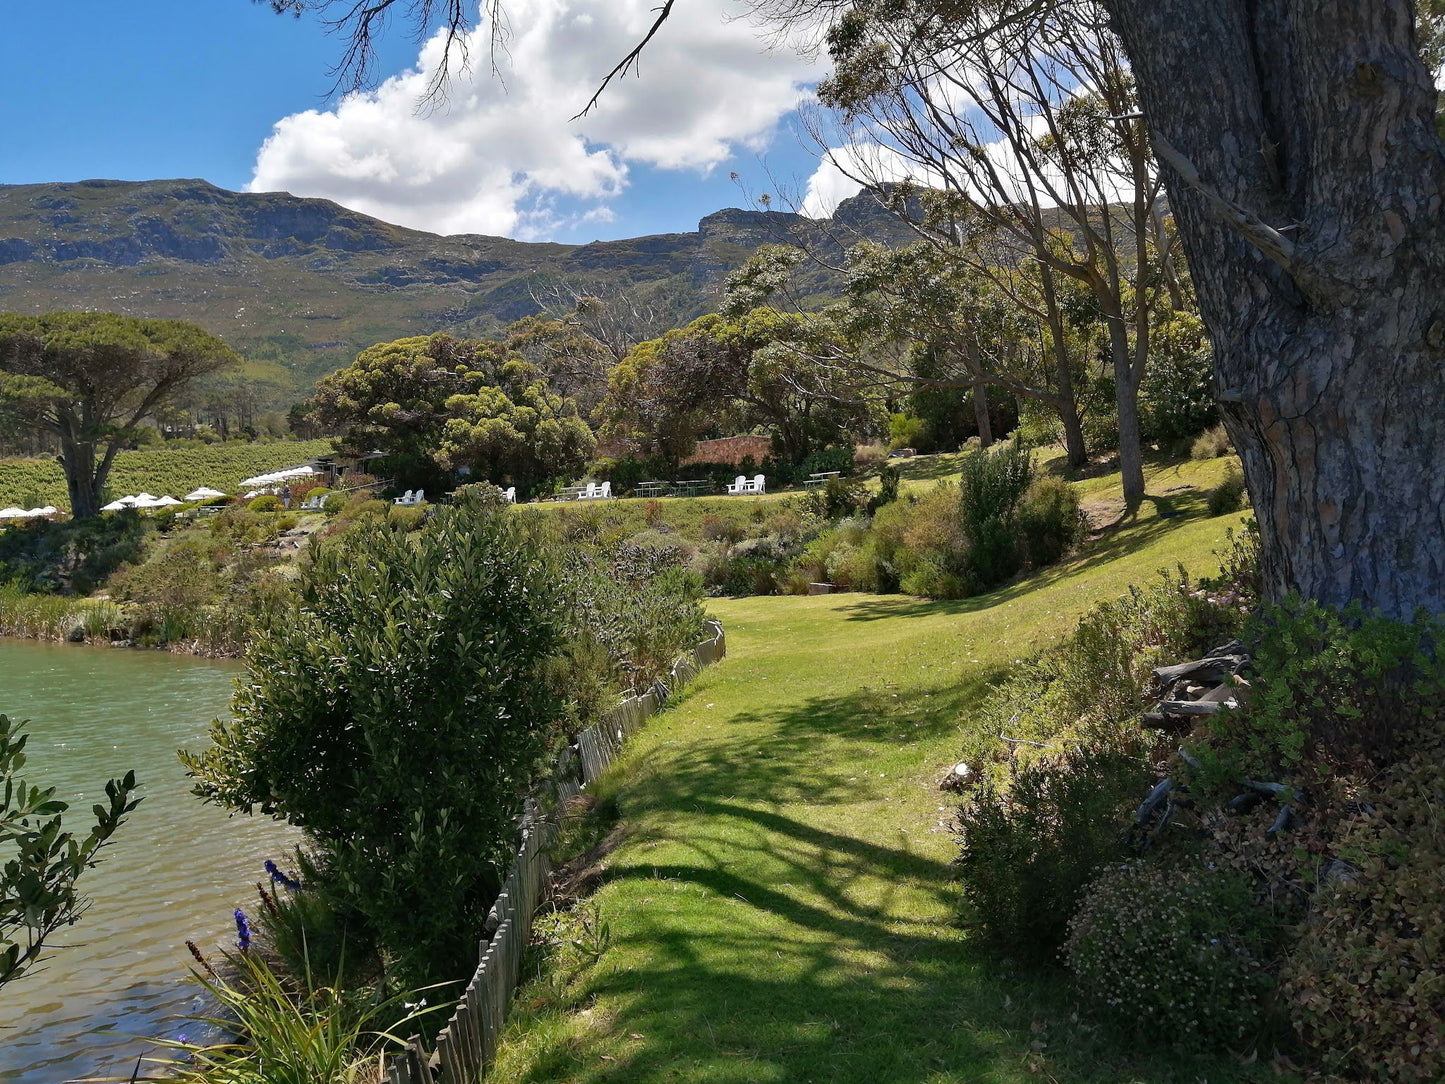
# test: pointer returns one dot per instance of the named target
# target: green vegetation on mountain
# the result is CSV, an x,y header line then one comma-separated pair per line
x,y
299,286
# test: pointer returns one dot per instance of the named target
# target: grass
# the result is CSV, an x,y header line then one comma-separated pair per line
x,y
780,903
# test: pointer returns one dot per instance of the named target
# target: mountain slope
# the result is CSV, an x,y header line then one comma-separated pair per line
x,y
298,286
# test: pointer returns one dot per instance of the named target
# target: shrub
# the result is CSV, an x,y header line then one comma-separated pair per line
x,y
1211,444
888,479
1176,396
287,522
827,459
905,431
290,1030
334,503
405,518
1229,495
716,529
844,497
1366,984
1176,954
1328,689
1049,522
990,487
1028,850
75,556
267,502
397,715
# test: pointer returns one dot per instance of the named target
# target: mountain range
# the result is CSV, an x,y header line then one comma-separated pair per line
x,y
299,286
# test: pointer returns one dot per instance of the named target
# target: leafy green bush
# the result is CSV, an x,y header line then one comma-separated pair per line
x,y
334,503
398,715
1328,689
72,557
1049,522
267,502
991,485
828,459
1211,444
1176,396
1027,850
1229,495
1366,984
406,518
1173,953
906,431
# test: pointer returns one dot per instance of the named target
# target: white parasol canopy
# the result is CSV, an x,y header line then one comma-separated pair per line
x,y
205,493
13,513
279,476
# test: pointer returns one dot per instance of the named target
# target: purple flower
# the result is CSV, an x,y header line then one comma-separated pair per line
x,y
243,931
277,877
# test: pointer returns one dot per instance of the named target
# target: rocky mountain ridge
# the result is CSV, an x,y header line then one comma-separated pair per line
x,y
298,286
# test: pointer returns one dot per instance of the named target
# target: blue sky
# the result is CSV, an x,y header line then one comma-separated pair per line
x,y
194,88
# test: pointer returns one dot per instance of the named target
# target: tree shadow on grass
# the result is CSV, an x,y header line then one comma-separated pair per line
x,y
780,952
796,758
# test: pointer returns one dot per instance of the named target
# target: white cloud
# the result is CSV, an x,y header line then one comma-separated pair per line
x,y
502,157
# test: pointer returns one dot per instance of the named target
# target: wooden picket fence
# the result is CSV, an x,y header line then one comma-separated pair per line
x,y
466,1046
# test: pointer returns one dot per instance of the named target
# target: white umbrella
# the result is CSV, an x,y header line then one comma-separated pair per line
x,y
166,501
145,500
13,513
205,493
141,498
279,476
114,506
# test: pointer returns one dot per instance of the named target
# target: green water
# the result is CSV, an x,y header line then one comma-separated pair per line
x,y
177,870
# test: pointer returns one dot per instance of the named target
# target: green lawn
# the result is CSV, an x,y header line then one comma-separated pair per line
x,y
780,904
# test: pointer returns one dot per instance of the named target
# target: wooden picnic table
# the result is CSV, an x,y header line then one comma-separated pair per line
x,y
821,478
651,489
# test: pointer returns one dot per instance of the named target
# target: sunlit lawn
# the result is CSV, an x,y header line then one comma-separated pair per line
x,y
781,906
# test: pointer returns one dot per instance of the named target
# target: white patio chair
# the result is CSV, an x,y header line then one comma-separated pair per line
x,y
760,484
405,498
605,493
740,486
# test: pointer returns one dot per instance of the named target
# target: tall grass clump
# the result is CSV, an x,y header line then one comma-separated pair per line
x,y
278,1030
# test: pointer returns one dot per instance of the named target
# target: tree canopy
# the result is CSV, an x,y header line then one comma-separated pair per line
x,y
448,403
91,378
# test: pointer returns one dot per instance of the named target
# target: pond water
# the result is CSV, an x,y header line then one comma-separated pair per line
x,y
177,869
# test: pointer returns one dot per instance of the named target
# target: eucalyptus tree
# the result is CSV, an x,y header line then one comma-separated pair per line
x,y
1030,130
89,379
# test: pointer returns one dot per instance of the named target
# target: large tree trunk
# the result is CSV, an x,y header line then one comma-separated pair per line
x,y
78,459
980,416
1308,180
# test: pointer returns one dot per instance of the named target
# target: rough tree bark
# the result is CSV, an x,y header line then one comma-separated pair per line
x,y
1307,177
980,416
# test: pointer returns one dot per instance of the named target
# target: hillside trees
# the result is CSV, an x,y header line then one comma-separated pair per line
x,y
436,403
759,366
1030,131
89,379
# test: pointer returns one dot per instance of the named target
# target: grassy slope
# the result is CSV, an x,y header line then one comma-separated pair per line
x,y
177,471
780,905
